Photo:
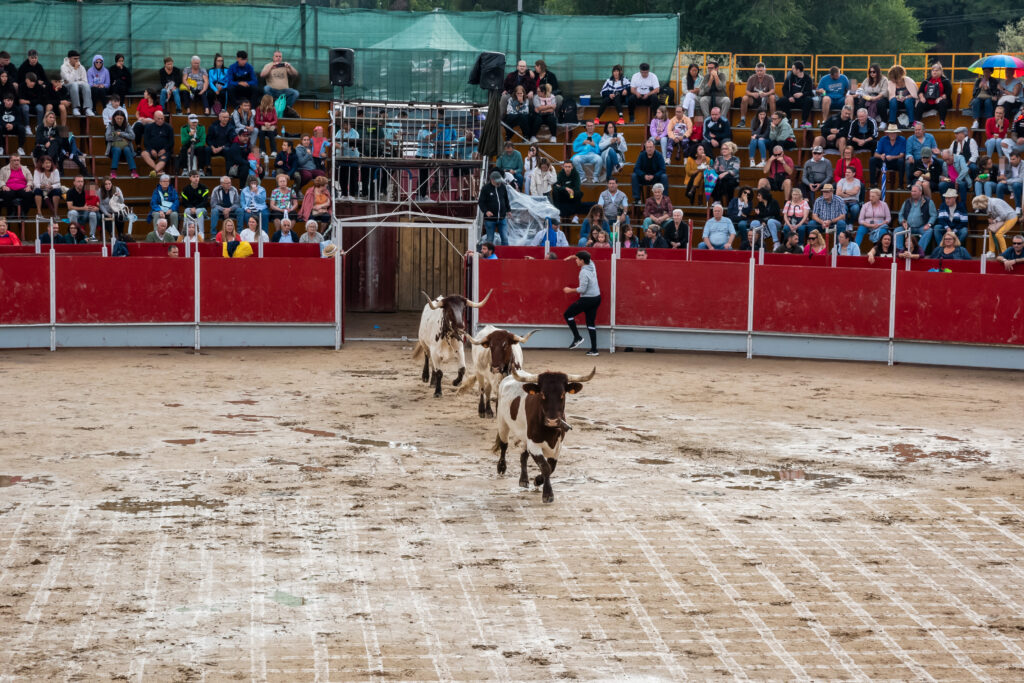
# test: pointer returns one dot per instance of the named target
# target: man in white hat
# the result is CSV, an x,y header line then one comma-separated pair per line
x,y
890,153
951,216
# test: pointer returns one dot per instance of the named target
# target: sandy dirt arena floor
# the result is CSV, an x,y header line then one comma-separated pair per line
x,y
300,515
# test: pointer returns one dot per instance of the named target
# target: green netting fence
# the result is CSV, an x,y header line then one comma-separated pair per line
x,y
400,56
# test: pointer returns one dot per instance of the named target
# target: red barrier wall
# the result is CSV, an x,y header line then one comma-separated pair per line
x,y
271,290
663,293
530,292
958,307
124,290
830,301
24,290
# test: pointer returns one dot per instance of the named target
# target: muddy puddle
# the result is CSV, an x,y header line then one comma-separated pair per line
x,y
767,479
905,453
11,480
373,443
134,505
184,442
243,402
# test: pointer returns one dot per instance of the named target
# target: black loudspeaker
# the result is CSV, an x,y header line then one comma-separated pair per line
x,y
488,71
342,66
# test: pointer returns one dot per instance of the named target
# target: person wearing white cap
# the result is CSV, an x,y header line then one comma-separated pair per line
x,y
193,145
951,217
817,172
890,152
966,146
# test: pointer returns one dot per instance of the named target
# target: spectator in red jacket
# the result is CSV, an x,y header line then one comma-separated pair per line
x,y
7,238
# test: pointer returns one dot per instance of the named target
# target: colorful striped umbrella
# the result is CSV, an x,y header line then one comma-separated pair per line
x,y
1003,66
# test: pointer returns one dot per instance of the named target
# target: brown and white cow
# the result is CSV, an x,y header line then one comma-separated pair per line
x,y
442,331
496,353
531,410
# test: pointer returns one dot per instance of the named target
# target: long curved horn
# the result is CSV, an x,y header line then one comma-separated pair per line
x,y
430,302
524,377
474,304
522,340
583,378
473,341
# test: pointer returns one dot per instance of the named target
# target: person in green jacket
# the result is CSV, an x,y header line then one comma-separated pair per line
x,y
193,143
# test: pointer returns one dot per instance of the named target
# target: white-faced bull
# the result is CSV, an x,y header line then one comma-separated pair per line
x,y
442,331
496,353
531,408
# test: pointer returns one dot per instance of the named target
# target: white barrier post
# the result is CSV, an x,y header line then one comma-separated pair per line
x,y
689,239
615,280
197,288
750,308
892,307
39,249
53,297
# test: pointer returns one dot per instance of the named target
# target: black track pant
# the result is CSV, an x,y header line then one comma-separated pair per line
x,y
587,305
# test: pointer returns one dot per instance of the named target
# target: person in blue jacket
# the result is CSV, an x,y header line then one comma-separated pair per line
x,y
241,79
586,149
164,203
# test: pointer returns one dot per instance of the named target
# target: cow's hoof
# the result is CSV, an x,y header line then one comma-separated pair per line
x,y
437,394
481,414
524,482
489,413
549,498
457,381
538,480
501,467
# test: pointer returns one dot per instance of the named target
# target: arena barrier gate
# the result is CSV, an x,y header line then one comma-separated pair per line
x,y
56,299
822,307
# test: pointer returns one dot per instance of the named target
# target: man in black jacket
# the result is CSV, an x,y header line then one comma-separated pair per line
x,y
237,156
220,135
493,203
194,200
797,93
157,144
648,170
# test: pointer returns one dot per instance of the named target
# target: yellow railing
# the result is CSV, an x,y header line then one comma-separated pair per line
x,y
778,65
737,67
854,67
954,64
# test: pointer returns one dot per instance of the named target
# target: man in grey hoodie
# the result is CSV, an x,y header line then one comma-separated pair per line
x,y
77,82
587,304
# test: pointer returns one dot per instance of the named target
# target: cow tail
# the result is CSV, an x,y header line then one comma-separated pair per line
x,y
417,350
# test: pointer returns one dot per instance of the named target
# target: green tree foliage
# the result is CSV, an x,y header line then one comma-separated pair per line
x,y
964,25
1011,37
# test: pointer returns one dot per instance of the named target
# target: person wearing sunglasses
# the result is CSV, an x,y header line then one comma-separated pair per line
x,y
1013,255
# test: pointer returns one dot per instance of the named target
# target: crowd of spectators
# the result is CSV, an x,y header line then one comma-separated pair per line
x,y
879,119
245,134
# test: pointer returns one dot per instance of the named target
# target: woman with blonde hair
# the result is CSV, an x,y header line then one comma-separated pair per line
x,y
228,231
728,167
902,92
1001,219
816,244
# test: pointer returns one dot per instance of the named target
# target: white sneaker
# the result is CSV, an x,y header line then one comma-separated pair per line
x,y
990,254
21,152
1,151
533,140
28,130
90,112
974,123
554,139
273,155
76,112
760,164
575,219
